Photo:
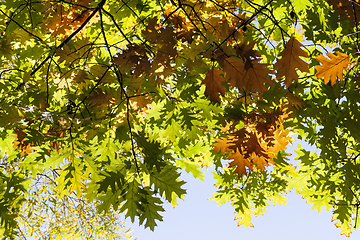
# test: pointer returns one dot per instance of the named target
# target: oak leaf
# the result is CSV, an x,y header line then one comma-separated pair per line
x,y
345,226
282,138
256,75
253,146
252,74
246,51
257,143
222,144
240,162
333,67
295,100
213,85
291,60
260,161
61,20
245,217
235,70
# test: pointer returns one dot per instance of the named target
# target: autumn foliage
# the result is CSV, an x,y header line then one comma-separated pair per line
x,y
257,142
112,99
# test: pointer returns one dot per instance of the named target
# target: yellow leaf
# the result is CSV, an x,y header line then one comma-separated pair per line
x,y
245,218
345,226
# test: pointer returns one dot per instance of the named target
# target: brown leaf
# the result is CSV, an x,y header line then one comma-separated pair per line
x,y
253,146
291,60
256,75
219,54
213,84
62,21
252,74
97,71
333,67
257,143
235,70
139,102
246,51
99,98
264,128
346,9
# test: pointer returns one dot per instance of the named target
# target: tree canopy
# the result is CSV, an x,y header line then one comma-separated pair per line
x,y
111,99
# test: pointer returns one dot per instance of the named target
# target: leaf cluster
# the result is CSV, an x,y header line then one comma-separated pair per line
x,y
115,98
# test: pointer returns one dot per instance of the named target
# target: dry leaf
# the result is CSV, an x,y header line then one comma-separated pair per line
x,y
213,84
291,60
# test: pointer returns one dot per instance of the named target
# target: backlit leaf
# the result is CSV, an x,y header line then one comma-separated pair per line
x,y
332,68
291,60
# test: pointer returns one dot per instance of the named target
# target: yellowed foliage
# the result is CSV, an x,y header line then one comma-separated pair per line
x,y
345,226
63,20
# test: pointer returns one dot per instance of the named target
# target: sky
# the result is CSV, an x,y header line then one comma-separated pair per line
x,y
197,218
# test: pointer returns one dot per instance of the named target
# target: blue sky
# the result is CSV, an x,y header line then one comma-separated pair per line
x,y
197,218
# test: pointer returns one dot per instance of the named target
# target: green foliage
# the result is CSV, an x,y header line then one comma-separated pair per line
x,y
111,100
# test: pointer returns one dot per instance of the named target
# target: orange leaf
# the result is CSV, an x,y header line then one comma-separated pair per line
x,y
213,84
260,161
222,144
281,139
291,60
330,69
240,162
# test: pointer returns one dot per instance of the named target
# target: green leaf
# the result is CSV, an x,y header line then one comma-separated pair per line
x,y
191,167
150,207
132,203
166,182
